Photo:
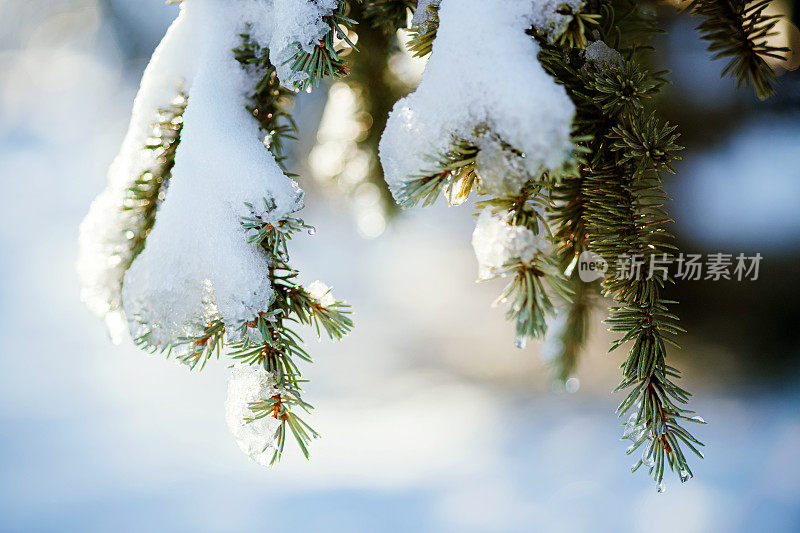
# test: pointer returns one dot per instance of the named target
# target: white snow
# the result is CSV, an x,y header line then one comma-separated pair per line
x,y
322,293
220,164
281,25
246,384
104,251
197,262
423,15
496,242
483,73
501,172
296,21
551,17
600,53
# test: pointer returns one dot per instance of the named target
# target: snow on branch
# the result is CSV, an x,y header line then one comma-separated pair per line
x,y
483,76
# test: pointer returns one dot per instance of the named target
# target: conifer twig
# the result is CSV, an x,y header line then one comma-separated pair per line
x,y
325,60
421,39
453,171
740,30
148,190
615,208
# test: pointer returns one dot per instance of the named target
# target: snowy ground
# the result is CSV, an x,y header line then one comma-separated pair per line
x,y
427,423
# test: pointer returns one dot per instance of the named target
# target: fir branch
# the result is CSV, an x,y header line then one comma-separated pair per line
x,y
453,171
645,143
202,347
568,217
273,236
332,318
615,207
268,339
421,38
574,35
278,347
627,218
279,407
620,89
268,100
147,192
324,60
739,30
530,302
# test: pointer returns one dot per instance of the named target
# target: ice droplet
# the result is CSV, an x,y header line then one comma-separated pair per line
x,y
685,475
647,460
312,231
698,419
521,341
661,487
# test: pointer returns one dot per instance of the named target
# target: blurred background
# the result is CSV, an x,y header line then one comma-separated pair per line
x,y
431,419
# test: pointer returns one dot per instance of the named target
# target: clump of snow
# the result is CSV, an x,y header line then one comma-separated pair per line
x,y
551,17
321,293
496,243
197,262
600,53
289,24
501,172
104,249
504,90
220,165
424,16
247,384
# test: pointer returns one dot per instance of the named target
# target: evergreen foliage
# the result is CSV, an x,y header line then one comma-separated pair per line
x,y
149,189
421,42
527,292
269,99
615,207
738,30
453,171
324,60
607,198
269,340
